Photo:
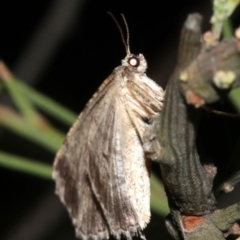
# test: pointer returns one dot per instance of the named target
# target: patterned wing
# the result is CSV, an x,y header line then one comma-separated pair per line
x,y
89,169
101,171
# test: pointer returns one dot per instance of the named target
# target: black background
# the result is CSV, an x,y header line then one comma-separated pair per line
x,y
87,51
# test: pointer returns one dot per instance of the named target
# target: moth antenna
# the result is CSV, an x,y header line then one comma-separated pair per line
x,y
232,115
126,44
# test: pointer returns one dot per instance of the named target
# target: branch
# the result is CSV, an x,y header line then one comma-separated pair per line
x,y
188,179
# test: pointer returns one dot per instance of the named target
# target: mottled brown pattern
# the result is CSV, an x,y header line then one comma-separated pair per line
x,y
101,170
70,195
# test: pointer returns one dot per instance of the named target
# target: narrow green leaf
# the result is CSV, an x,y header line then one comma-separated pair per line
x,y
46,104
158,197
234,96
21,101
25,165
43,134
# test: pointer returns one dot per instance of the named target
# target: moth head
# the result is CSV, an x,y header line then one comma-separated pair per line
x,y
135,63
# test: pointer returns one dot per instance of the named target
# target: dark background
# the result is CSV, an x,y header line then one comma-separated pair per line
x,y
65,49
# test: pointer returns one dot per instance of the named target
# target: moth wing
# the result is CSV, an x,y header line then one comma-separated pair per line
x,y
145,101
90,170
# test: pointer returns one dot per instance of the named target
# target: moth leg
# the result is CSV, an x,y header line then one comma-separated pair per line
x,y
151,145
147,130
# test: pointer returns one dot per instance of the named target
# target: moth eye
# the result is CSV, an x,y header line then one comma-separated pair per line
x,y
133,61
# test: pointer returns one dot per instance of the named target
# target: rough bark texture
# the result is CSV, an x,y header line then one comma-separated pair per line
x,y
201,71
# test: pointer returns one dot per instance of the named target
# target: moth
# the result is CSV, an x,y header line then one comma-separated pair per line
x,y
102,169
